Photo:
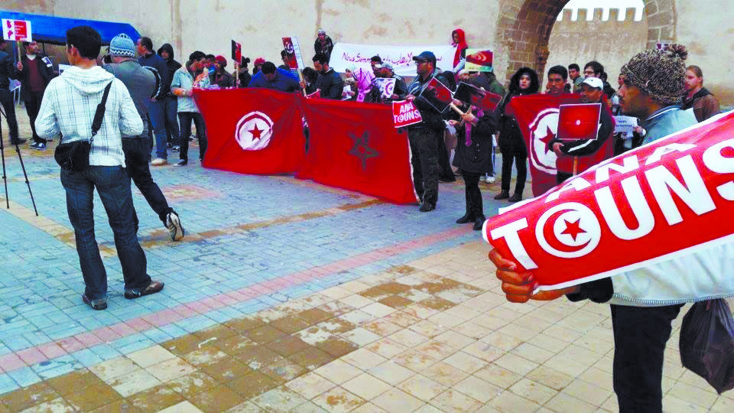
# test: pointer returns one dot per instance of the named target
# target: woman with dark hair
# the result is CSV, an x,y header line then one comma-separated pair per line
x,y
512,145
473,158
699,98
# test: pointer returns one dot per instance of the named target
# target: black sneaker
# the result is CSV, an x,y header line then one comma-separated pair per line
x,y
41,146
152,288
182,162
427,207
98,304
515,197
34,145
173,223
175,148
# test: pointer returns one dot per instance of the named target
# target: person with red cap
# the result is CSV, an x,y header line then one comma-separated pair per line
x,y
258,65
221,77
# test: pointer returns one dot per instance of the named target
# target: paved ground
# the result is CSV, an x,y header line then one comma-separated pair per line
x,y
289,296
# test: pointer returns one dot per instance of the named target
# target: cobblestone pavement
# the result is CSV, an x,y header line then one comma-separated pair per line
x,y
286,295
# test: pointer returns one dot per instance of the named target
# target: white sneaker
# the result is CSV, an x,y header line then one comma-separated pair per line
x,y
490,180
173,223
159,162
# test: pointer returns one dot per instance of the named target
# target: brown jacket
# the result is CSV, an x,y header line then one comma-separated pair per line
x,y
704,104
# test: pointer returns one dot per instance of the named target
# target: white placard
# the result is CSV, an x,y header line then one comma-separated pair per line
x,y
400,57
625,125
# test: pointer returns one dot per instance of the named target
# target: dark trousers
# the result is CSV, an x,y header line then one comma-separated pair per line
x,y
170,110
519,157
472,194
113,187
186,118
6,99
32,107
424,149
640,334
136,159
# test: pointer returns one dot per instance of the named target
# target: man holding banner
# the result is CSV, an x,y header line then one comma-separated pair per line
x,y
424,136
651,272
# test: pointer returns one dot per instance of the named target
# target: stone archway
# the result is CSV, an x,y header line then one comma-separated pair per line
x,y
524,27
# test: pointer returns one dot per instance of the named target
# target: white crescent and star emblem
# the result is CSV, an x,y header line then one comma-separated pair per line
x,y
254,131
568,230
544,128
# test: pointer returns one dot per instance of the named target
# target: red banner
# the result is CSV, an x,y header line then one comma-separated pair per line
x,y
355,146
253,131
667,199
537,116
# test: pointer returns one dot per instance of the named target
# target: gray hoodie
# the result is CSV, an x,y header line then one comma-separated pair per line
x,y
141,84
68,108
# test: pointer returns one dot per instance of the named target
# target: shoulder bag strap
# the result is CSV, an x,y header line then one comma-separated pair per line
x,y
99,114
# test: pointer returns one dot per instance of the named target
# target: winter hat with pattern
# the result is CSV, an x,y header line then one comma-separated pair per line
x,y
122,45
659,74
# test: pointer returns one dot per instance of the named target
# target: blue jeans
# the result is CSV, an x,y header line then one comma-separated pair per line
x,y
170,109
157,115
113,187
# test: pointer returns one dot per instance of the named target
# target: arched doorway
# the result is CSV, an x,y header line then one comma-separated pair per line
x,y
524,27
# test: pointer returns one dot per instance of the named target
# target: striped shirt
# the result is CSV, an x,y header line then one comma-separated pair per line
x,y
68,108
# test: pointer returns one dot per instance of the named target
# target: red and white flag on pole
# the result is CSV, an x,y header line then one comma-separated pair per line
x,y
355,146
253,131
664,200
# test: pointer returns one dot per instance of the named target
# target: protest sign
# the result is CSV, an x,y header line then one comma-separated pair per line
x,y
477,97
17,30
386,86
578,121
405,113
625,125
668,199
479,60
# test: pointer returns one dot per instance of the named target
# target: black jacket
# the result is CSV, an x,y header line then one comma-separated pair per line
x,y
476,157
45,68
330,84
158,66
171,63
7,70
432,118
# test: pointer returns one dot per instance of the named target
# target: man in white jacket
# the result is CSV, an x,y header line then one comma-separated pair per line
x,y
644,302
69,104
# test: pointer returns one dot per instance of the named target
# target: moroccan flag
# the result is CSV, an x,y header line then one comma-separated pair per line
x,y
236,51
537,117
666,200
580,121
477,97
355,146
252,131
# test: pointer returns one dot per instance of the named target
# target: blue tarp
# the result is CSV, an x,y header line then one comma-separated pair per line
x,y
52,29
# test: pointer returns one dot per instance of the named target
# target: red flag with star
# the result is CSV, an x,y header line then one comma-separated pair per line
x,y
355,146
537,117
252,131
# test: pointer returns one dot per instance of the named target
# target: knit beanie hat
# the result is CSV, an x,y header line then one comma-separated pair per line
x,y
659,74
122,45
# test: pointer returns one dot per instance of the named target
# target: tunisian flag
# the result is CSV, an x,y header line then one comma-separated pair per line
x,y
252,131
355,146
537,116
661,201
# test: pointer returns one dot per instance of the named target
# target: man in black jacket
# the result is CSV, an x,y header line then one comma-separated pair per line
x,y
424,136
170,102
329,82
156,110
323,44
7,71
35,71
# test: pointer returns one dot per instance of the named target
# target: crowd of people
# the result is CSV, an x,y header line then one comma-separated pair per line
x,y
146,100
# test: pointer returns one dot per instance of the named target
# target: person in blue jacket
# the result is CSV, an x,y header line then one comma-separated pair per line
x,y
271,77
